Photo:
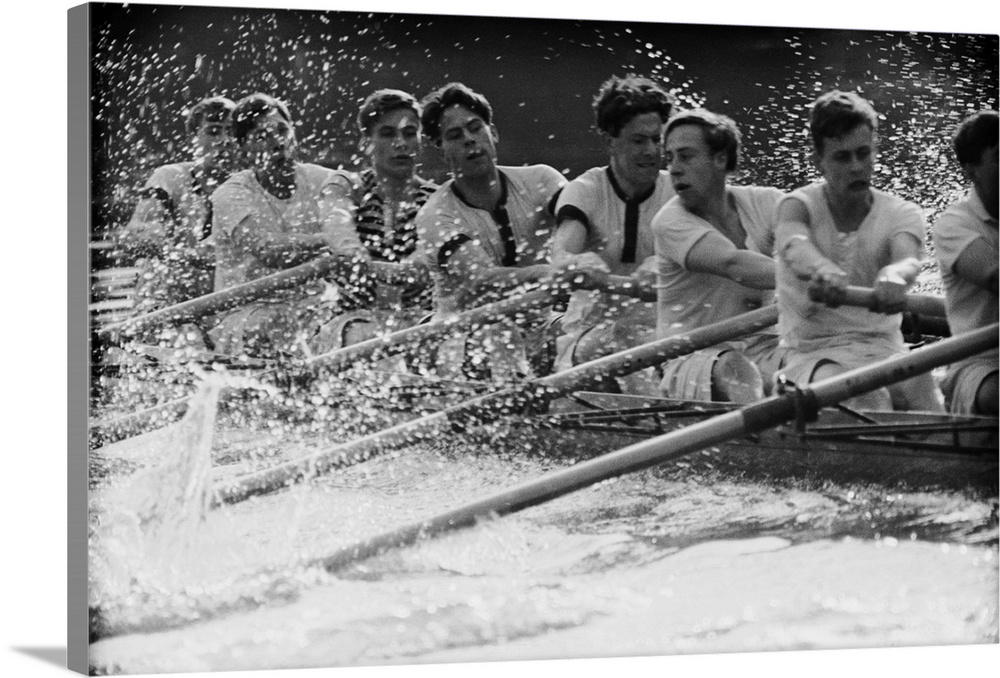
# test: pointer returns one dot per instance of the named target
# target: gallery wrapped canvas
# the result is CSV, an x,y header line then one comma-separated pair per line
x,y
415,338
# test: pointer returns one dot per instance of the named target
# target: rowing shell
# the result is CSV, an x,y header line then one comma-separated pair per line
x,y
912,449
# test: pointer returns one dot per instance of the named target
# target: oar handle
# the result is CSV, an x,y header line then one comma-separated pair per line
x,y
864,297
238,295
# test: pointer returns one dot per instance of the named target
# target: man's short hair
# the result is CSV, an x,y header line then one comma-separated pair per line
x,y
836,113
251,107
435,103
621,99
381,102
719,131
974,135
213,109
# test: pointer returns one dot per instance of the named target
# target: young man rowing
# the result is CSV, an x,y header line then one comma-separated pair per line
x,y
484,232
841,231
604,218
965,240
275,215
168,236
714,244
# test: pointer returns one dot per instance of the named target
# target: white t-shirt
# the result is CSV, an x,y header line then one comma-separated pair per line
x,y
807,326
689,299
304,212
447,222
619,230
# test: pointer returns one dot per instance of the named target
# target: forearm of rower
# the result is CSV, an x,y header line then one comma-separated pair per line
x,y
750,269
802,256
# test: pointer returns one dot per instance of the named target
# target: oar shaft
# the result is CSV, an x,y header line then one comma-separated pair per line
x,y
238,295
719,429
656,352
920,304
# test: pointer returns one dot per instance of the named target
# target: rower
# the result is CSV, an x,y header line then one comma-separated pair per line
x,y
840,231
168,236
714,244
279,213
483,234
965,241
604,218
387,194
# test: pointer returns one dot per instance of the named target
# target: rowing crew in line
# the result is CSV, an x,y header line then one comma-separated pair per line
x,y
711,247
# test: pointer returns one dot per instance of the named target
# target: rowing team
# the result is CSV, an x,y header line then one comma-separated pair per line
x,y
711,250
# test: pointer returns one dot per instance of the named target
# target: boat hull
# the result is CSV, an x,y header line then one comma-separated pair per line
x,y
897,449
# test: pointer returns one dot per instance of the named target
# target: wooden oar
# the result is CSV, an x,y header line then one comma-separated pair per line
x,y
804,403
921,304
495,405
239,295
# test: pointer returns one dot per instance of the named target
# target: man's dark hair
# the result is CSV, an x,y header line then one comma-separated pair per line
x,y
213,109
435,103
836,113
251,107
719,132
621,99
974,135
381,102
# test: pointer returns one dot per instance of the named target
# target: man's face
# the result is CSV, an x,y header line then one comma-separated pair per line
x,y
468,143
394,144
847,162
984,178
694,168
213,141
637,152
271,142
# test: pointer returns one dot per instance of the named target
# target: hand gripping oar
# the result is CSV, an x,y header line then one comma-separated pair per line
x,y
495,405
238,295
802,403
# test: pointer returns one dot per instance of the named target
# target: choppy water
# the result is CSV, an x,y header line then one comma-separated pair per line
x,y
677,559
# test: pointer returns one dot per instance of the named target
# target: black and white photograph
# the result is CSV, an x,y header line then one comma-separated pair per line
x,y
420,337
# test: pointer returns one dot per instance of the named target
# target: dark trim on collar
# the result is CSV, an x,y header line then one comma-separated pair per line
x,y
621,193
500,217
503,193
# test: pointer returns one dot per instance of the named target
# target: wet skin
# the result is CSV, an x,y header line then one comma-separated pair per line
x,y
394,144
695,172
847,163
468,143
984,178
637,152
214,144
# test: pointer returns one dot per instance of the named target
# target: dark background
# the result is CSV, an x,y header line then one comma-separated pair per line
x,y
151,62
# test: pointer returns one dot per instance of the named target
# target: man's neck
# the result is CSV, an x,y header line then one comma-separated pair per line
x,y
395,188
278,180
849,211
631,189
211,172
482,191
715,206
